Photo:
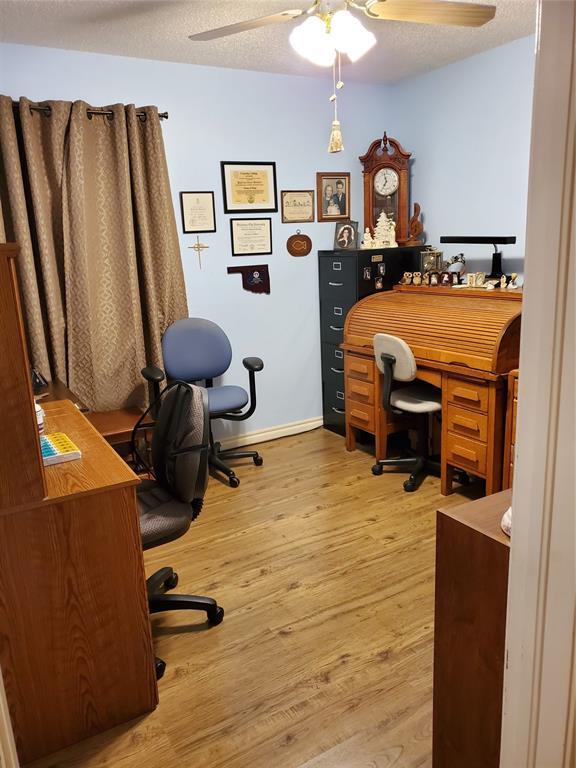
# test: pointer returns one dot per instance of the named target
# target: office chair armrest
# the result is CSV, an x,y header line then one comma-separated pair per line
x,y
253,364
153,374
388,363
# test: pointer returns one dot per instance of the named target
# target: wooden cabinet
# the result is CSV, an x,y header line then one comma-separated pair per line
x,y
75,639
510,438
472,556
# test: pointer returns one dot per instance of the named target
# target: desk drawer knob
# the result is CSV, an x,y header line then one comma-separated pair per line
x,y
470,424
466,394
360,415
464,453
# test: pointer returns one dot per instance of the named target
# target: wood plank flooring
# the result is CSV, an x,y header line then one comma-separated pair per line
x,y
324,658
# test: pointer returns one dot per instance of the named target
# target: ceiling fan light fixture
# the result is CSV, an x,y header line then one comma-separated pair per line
x,y
312,41
349,36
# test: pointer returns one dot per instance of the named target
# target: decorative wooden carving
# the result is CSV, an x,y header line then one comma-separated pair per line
x,y
416,228
299,244
387,153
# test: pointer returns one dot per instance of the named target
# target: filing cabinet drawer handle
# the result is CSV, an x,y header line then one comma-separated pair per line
x,y
336,285
338,410
464,453
470,424
360,415
466,394
333,328
337,370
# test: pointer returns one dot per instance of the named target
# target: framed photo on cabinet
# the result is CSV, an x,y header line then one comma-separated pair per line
x,y
333,196
249,187
346,236
198,212
251,237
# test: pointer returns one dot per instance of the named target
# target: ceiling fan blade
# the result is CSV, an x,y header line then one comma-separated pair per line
x,y
431,12
243,26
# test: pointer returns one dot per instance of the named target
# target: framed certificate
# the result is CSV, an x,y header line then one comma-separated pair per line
x,y
251,237
297,205
249,187
198,214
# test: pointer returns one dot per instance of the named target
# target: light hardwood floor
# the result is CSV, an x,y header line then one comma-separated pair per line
x,y
324,658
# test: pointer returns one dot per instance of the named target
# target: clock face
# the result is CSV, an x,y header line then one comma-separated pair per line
x,y
386,181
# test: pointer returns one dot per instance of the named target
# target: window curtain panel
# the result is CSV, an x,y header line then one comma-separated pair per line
x,y
88,199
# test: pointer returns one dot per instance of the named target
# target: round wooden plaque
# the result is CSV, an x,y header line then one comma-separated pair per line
x,y
299,244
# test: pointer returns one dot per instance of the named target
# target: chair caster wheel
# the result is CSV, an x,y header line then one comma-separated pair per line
x,y
171,582
160,667
258,460
215,617
409,486
233,481
377,469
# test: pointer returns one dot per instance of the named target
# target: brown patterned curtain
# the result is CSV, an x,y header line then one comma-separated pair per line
x,y
88,199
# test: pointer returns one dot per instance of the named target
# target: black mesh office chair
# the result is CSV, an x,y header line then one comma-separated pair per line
x,y
169,503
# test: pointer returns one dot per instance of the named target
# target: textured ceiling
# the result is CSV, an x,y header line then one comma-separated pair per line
x,y
158,29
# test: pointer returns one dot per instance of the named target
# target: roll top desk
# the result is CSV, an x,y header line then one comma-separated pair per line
x,y
464,343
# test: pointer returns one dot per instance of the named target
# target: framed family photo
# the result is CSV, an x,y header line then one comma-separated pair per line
x,y
346,236
249,187
297,205
333,196
198,213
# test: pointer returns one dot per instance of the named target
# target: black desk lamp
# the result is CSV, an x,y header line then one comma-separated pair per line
x,y
496,271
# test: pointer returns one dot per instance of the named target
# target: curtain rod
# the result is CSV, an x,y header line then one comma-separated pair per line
x,y
47,111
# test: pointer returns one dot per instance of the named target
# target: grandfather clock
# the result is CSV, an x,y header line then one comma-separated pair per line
x,y
386,185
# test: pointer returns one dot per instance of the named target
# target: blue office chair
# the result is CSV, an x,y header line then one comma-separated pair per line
x,y
196,350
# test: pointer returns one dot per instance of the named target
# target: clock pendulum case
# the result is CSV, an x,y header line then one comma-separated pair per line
x,y
387,185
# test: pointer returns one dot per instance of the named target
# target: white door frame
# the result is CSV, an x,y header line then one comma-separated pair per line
x,y
8,755
538,717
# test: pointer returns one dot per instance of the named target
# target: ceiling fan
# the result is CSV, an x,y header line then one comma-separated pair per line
x,y
459,14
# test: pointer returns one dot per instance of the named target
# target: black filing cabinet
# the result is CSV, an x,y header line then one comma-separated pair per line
x,y
345,277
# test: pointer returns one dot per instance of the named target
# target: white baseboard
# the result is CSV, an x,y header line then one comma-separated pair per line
x,y
272,433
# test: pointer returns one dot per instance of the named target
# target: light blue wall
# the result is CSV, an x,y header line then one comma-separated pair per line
x,y
218,114
468,127
467,124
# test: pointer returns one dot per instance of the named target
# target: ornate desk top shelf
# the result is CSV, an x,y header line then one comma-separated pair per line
x,y
510,294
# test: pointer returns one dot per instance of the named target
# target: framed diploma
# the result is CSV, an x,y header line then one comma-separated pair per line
x,y
198,214
251,237
297,205
249,187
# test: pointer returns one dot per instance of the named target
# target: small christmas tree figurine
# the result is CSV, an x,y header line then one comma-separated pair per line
x,y
385,232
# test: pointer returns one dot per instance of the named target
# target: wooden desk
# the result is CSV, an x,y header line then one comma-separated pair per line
x,y
472,555
510,435
463,344
75,641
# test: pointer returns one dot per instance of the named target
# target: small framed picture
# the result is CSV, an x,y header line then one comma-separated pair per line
x,y
367,273
198,213
379,283
297,205
249,187
333,196
382,268
251,237
345,236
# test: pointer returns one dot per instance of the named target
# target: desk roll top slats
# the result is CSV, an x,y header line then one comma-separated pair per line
x,y
464,344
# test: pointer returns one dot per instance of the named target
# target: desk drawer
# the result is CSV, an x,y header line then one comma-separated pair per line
x,y
469,393
359,368
461,421
360,415
360,391
465,453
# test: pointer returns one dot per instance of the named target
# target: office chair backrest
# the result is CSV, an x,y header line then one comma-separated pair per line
x,y
194,349
180,443
405,366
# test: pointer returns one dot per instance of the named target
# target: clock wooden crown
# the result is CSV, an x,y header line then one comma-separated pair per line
x,y
387,153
